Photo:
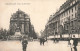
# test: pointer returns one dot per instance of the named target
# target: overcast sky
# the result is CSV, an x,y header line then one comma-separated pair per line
x,y
39,11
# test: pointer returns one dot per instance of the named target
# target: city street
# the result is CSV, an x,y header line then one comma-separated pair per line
x,y
35,46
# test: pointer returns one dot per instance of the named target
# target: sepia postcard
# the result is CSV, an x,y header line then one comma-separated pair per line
x,y
39,25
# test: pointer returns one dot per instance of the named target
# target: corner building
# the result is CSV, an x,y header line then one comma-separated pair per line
x,y
66,21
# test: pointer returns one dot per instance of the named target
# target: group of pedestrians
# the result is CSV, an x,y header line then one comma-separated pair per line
x,y
73,43
55,40
42,41
25,42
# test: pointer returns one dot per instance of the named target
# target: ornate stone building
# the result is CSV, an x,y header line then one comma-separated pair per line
x,y
20,22
66,21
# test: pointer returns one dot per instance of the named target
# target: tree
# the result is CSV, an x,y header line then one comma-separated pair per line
x,y
1,32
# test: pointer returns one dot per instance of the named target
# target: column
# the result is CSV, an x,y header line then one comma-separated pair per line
x,y
22,29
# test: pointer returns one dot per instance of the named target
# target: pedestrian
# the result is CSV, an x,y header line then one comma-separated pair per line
x,y
40,41
24,43
54,40
43,41
71,44
75,43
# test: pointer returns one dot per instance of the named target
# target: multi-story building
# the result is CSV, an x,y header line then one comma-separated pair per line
x,y
66,21
52,27
68,16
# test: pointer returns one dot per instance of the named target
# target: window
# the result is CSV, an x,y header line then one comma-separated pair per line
x,y
61,21
69,18
75,7
72,10
76,1
69,11
75,15
73,2
72,16
64,19
64,13
16,15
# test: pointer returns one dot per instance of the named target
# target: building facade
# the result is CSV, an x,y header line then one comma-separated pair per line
x,y
66,21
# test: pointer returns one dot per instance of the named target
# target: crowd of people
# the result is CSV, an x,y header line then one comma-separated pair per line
x,y
73,42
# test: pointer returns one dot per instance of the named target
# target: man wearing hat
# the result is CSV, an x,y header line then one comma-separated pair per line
x,y
24,43
75,42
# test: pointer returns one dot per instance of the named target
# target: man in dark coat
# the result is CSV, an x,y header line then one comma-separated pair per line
x,y
75,43
24,43
42,40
